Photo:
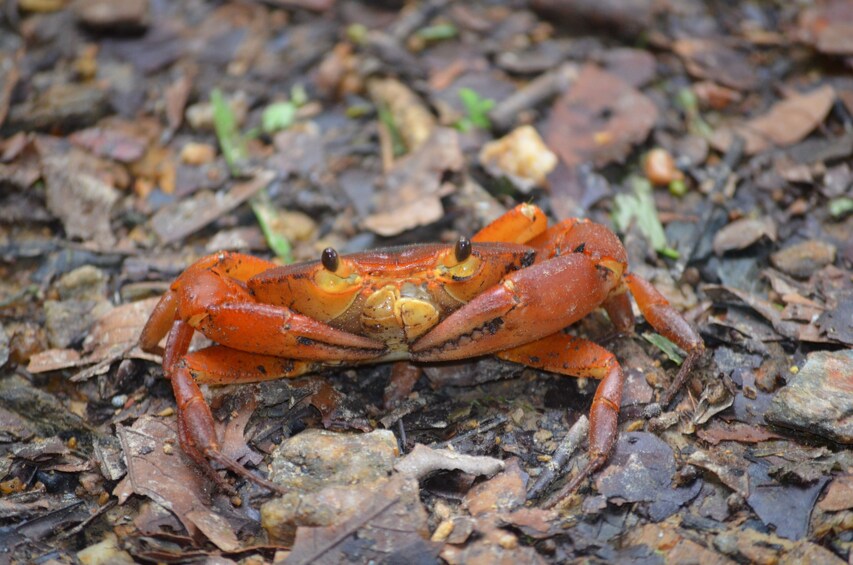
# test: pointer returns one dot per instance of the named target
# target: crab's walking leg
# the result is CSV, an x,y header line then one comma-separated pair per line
x,y
568,355
232,265
518,225
215,365
668,322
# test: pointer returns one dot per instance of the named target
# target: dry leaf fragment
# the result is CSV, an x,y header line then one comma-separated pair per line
x,y
175,222
742,233
711,59
599,119
839,494
414,187
82,201
787,122
168,479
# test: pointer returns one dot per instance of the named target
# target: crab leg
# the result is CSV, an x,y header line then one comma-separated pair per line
x,y
525,306
568,355
669,323
234,265
218,365
519,225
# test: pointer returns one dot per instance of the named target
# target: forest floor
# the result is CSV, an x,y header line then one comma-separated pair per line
x,y
715,138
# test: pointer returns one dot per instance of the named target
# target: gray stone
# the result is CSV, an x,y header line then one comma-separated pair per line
x,y
819,399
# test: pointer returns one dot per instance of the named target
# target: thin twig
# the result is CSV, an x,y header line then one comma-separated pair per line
x,y
561,456
483,427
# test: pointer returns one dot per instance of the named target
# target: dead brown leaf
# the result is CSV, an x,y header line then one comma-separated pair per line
x,y
54,360
118,139
166,476
81,200
216,528
599,119
839,494
711,59
742,233
503,493
413,188
718,431
828,26
786,123
112,337
727,462
9,74
173,223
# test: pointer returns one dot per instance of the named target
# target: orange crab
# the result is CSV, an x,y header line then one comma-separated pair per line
x,y
510,291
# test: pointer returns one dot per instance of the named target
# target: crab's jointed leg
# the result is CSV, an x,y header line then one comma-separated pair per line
x,y
568,355
518,225
214,365
211,297
669,323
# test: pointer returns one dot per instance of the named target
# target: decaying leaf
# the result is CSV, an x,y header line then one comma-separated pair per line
x,y
787,122
81,200
502,493
599,119
173,223
712,59
828,26
719,431
642,469
839,494
413,188
742,233
786,507
113,336
166,476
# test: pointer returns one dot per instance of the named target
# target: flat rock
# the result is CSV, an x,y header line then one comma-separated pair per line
x,y
819,400
329,477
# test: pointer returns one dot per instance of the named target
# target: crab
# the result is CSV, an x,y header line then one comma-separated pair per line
x,y
510,290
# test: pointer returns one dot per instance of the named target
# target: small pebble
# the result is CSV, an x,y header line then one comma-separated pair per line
x,y
194,153
444,529
660,167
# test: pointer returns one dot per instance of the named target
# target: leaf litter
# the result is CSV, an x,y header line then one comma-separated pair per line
x,y
358,125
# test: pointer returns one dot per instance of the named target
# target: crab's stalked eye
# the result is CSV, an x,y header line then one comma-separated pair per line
x,y
330,259
462,249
